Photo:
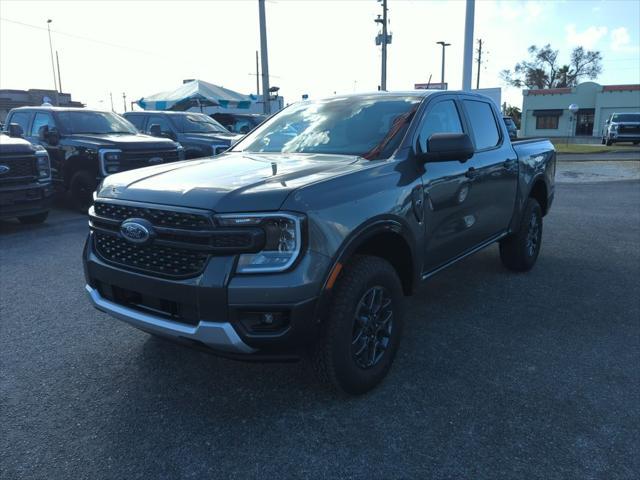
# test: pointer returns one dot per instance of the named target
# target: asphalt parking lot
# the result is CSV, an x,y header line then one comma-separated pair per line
x,y
499,375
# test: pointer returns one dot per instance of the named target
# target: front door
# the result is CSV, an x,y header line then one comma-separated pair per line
x,y
584,122
42,121
450,202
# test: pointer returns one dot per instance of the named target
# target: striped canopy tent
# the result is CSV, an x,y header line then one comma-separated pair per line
x,y
196,93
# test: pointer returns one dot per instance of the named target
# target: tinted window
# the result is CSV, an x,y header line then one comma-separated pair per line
x,y
137,120
626,117
483,123
198,123
442,118
370,126
41,120
165,125
22,119
86,121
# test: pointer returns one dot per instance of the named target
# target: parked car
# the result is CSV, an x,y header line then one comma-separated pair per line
x,y
199,134
285,247
621,127
511,128
25,178
239,122
87,145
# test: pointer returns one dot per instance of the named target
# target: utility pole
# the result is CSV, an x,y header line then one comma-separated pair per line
x,y
468,45
59,79
257,76
53,68
124,101
263,54
111,97
383,40
444,46
479,62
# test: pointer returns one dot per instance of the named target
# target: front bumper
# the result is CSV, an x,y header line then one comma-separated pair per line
x,y
216,303
624,137
23,200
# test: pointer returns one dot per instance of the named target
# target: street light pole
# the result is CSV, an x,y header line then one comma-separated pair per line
x,y
467,63
383,39
265,60
444,45
53,67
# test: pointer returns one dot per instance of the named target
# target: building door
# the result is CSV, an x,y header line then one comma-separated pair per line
x,y
584,122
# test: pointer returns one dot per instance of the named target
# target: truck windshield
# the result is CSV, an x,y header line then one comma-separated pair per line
x,y
626,117
198,123
370,126
80,121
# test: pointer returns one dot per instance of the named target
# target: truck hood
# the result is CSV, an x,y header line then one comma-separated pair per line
x,y
229,138
231,182
11,146
122,141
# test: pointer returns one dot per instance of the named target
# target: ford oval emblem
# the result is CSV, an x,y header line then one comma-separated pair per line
x,y
4,169
137,230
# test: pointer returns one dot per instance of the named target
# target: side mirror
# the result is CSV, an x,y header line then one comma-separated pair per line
x,y
444,147
155,130
43,133
15,130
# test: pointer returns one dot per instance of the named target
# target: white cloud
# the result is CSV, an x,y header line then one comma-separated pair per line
x,y
587,38
620,40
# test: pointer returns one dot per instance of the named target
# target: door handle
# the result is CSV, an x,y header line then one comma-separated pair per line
x,y
471,173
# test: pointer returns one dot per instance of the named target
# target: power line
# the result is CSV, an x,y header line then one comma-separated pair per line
x,y
79,37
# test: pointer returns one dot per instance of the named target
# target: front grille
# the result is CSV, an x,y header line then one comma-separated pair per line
x,y
630,129
22,169
157,216
134,159
163,260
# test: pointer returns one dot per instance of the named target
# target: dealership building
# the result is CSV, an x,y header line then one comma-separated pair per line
x,y
545,112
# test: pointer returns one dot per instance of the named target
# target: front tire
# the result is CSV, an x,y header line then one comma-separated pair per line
x,y
34,219
519,251
360,337
609,142
82,186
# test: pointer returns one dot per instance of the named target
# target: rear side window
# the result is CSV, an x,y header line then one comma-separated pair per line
x,y
165,126
42,120
22,119
483,124
442,118
137,120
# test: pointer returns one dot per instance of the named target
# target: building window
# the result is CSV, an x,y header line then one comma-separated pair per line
x,y
547,122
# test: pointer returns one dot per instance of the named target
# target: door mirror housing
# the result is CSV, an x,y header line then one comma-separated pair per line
x,y
15,130
47,135
444,147
155,130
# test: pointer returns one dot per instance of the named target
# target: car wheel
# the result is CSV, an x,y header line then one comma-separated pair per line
x,y
519,251
34,219
82,186
361,334
603,141
609,143
636,143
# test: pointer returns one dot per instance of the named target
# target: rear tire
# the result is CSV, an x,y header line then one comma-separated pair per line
x,y
82,186
603,142
519,251
360,337
34,219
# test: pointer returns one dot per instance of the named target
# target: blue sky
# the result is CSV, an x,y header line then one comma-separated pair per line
x,y
315,47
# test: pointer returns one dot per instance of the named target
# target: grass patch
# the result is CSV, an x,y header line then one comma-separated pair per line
x,y
562,147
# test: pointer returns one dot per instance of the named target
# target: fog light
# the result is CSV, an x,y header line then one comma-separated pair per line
x,y
264,322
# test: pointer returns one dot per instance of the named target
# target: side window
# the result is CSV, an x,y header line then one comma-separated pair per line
x,y
483,124
165,126
41,120
137,120
443,118
22,119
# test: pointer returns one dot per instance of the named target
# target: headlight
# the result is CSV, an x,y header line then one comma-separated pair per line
x,y
110,161
44,168
283,240
614,127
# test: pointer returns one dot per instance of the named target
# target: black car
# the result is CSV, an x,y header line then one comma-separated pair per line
x,y
87,145
25,179
199,134
239,122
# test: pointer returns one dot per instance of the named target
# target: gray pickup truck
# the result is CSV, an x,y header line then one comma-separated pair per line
x,y
304,239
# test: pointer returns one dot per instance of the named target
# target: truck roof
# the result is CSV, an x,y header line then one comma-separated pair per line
x,y
52,108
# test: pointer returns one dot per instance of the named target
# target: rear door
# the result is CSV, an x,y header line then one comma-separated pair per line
x,y
495,168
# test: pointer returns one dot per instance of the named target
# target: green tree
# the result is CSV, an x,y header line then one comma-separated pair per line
x,y
543,70
513,112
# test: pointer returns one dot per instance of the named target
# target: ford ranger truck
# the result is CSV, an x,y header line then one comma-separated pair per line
x,y
621,127
304,239
87,145
199,134
25,179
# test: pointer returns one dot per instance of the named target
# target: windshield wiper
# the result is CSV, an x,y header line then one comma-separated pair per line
x,y
397,125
